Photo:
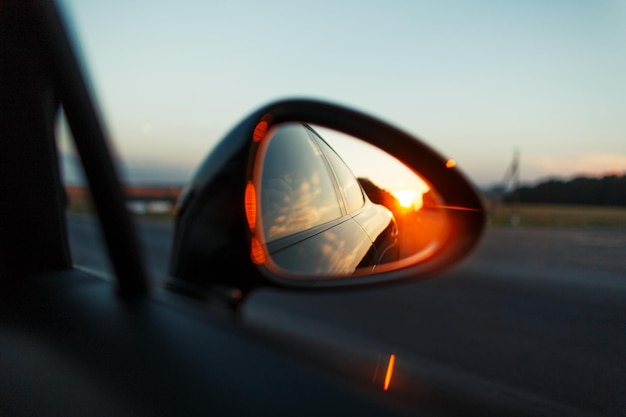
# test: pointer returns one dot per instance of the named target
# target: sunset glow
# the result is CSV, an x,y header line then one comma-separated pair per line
x,y
408,198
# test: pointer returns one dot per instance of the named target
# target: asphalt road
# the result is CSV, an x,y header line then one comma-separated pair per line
x,y
536,315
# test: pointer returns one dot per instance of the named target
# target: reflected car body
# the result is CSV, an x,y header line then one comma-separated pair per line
x,y
315,218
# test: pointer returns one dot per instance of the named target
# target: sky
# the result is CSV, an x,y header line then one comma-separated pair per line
x,y
476,80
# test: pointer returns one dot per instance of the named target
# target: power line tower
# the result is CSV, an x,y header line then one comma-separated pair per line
x,y
511,181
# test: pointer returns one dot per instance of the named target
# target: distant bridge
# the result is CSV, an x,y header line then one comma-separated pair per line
x,y
147,194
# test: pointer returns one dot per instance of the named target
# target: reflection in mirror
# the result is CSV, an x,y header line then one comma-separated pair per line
x,y
325,205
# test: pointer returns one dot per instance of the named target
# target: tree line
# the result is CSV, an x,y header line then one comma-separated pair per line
x,y
609,190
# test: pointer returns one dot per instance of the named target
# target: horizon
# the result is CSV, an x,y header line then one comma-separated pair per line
x,y
148,176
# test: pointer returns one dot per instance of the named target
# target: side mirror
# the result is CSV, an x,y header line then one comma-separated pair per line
x,y
280,202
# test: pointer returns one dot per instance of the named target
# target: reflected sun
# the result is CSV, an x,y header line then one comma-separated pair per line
x,y
406,198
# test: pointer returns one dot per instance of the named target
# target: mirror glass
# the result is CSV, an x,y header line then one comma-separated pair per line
x,y
322,204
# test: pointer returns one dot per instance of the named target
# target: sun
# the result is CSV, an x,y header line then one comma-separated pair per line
x,y
406,198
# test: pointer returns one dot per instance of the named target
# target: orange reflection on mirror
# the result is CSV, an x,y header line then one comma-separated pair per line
x,y
408,198
250,205
423,230
260,131
319,216
257,253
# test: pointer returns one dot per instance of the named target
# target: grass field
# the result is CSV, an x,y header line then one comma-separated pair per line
x,y
553,215
500,215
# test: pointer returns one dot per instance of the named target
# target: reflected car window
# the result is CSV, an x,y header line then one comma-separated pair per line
x,y
297,192
350,187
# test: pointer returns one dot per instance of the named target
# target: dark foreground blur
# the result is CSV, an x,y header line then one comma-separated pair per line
x,y
534,313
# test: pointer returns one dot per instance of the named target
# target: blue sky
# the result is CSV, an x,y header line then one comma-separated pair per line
x,y
477,80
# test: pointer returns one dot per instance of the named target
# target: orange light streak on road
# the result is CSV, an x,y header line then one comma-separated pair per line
x,y
392,361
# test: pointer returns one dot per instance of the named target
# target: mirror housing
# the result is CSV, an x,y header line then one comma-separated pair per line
x,y
212,238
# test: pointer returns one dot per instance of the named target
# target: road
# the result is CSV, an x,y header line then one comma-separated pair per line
x,y
533,314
